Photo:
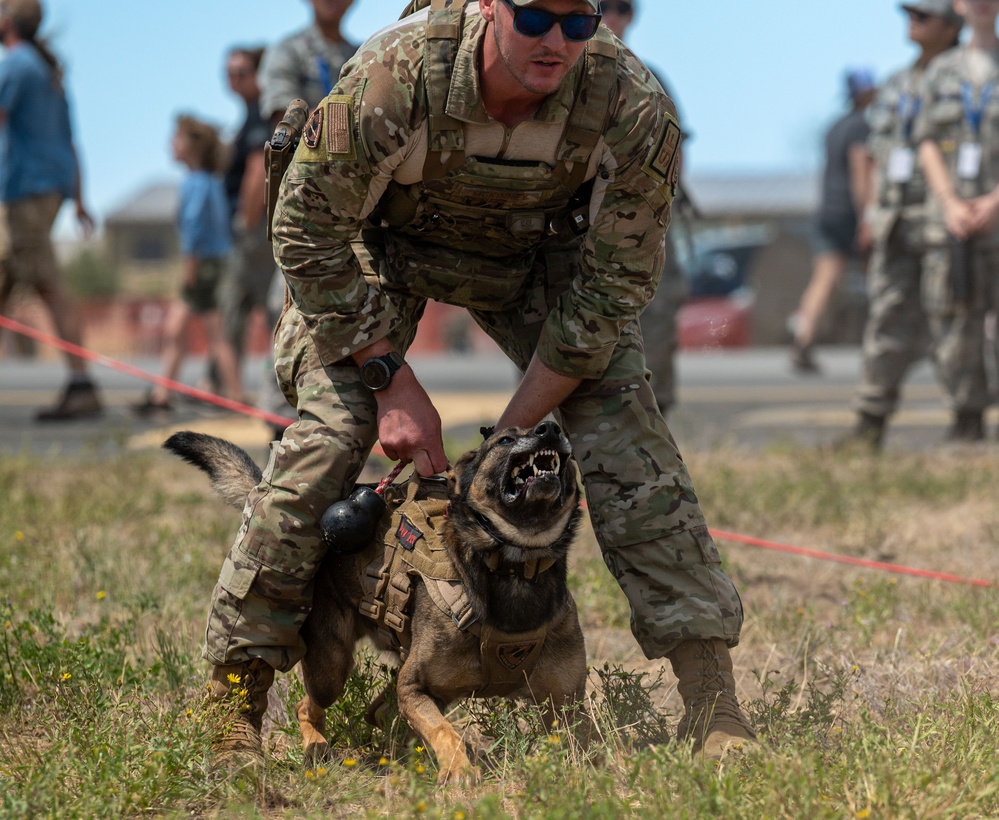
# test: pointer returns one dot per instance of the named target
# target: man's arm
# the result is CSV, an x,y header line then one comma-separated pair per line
x,y
251,191
958,214
540,392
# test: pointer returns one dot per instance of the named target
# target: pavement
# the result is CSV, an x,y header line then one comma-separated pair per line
x,y
747,398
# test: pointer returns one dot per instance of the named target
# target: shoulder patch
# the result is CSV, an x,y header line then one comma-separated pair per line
x,y
340,126
313,132
661,162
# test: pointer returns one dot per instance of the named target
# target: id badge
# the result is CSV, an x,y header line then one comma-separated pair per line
x,y
969,160
901,164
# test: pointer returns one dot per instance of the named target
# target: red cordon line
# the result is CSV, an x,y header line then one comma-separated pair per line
x,y
272,418
846,559
121,367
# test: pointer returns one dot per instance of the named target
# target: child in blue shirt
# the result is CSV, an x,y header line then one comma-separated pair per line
x,y
203,224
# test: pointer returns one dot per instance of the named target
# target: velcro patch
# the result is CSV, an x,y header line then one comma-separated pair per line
x,y
661,162
340,126
408,534
313,131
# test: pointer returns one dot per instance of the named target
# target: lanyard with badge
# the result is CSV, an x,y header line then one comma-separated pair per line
x,y
902,160
969,155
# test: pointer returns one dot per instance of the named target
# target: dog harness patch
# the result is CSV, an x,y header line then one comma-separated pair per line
x,y
515,655
408,534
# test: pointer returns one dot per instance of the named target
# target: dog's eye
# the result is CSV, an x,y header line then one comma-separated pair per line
x,y
507,440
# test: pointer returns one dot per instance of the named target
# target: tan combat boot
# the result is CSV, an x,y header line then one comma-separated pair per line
x,y
712,718
241,690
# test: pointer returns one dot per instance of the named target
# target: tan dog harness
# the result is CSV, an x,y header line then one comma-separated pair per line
x,y
414,548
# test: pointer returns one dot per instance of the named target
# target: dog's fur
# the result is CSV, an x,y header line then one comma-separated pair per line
x,y
516,495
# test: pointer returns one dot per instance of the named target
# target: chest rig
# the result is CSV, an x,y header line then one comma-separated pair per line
x,y
467,234
413,552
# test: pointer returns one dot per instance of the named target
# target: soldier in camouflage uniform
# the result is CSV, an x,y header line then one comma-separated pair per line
x,y
304,65
446,165
958,131
897,334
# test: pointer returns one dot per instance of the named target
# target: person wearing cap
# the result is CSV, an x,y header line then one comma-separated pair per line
x,y
659,328
897,334
841,236
523,168
958,134
38,172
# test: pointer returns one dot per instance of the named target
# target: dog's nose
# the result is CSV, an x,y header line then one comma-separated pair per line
x,y
547,428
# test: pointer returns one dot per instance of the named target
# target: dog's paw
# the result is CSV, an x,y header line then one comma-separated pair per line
x,y
316,754
459,775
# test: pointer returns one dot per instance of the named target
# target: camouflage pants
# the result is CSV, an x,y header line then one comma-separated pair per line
x,y
659,324
897,333
957,323
641,501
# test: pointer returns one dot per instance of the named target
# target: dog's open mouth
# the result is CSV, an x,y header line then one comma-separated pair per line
x,y
528,469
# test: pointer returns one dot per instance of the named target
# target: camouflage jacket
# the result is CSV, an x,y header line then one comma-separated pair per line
x,y
945,120
302,66
376,133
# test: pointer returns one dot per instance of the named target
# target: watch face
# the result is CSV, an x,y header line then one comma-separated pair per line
x,y
375,374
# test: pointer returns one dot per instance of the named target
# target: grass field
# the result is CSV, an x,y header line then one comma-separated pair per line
x,y
876,695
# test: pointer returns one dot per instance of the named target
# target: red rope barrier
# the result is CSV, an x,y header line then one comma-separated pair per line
x,y
121,367
245,409
846,559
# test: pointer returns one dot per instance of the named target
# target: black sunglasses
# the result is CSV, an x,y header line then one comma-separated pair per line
x,y
918,16
537,23
624,9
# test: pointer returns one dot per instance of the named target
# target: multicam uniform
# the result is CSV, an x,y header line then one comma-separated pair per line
x,y
961,115
897,334
404,189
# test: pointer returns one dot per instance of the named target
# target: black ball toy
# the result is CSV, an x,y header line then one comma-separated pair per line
x,y
349,526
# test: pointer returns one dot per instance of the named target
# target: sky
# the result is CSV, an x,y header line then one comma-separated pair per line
x,y
757,81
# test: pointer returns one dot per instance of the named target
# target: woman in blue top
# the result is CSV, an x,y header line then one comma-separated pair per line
x,y
203,223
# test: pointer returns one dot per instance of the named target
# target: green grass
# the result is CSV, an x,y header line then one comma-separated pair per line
x,y
875,695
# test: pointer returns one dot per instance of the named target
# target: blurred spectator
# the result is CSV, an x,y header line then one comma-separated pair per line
x,y
958,131
842,235
251,264
304,65
658,321
204,243
897,333
39,169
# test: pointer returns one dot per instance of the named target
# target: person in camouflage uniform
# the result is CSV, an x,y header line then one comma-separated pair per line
x,y
897,335
958,131
304,65
446,165
659,319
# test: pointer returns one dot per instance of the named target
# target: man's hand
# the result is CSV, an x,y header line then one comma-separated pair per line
x,y
959,217
409,426
986,213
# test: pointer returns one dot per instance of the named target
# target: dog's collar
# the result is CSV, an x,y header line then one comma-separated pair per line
x,y
529,570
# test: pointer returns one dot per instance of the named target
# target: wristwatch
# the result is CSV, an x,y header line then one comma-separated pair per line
x,y
377,372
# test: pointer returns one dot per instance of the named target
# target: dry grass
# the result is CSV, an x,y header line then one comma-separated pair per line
x,y
878,694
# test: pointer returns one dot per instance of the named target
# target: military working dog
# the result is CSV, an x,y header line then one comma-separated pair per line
x,y
465,582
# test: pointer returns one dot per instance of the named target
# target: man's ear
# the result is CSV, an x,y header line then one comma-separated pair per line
x,y
487,8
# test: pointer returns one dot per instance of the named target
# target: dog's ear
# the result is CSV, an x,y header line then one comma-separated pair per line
x,y
487,432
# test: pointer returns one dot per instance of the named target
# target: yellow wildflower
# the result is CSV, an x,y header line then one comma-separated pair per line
x,y
18,536
233,677
862,814
67,675
383,761
349,762
101,595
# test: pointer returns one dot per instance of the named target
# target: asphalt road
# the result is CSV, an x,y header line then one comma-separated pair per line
x,y
746,398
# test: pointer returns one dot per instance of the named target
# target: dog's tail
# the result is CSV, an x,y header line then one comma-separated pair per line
x,y
232,472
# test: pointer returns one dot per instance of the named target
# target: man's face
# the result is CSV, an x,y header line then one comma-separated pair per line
x,y
618,15
539,64
241,76
330,12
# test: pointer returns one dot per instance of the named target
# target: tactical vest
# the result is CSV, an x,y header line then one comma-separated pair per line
x,y
469,232
413,549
